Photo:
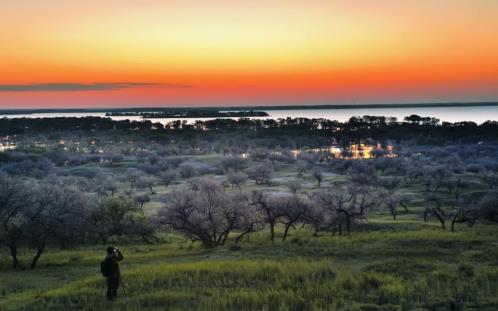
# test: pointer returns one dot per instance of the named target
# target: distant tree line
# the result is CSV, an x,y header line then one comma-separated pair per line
x,y
297,132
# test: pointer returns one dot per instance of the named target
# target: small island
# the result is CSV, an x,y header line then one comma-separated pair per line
x,y
208,113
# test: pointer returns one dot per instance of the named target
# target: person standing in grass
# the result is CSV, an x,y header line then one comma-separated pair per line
x,y
110,270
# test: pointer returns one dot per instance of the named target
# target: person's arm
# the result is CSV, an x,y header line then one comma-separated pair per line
x,y
119,256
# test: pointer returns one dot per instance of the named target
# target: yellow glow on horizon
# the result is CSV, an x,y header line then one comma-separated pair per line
x,y
309,45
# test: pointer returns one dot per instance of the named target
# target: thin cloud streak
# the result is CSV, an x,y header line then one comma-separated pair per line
x,y
78,87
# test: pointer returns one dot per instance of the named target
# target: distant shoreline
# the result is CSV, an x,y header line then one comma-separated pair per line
x,y
245,108
212,113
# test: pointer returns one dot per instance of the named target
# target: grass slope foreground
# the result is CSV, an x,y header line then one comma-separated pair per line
x,y
419,269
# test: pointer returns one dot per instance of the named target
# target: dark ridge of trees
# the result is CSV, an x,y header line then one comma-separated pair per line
x,y
284,132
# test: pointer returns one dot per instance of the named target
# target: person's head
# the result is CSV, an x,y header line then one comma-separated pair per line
x,y
111,250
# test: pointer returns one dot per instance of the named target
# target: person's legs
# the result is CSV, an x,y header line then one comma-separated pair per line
x,y
116,286
109,294
112,288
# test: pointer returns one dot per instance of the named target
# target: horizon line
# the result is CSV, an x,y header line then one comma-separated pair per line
x,y
269,107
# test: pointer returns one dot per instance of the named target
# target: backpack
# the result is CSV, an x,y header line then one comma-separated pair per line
x,y
106,268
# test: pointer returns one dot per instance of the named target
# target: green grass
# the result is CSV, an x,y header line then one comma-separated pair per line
x,y
276,285
402,265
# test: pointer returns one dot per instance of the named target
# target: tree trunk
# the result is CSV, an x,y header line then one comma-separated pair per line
x,y
442,224
240,236
441,220
453,225
272,231
13,253
286,231
37,256
348,224
224,239
207,243
146,240
334,230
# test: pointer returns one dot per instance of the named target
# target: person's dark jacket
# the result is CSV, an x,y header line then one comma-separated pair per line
x,y
113,260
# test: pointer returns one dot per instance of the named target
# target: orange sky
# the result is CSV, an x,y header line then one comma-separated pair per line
x,y
60,53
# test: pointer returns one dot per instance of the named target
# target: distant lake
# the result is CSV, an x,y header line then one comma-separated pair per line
x,y
448,114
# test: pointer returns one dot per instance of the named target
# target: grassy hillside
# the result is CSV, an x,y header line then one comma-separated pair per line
x,y
402,265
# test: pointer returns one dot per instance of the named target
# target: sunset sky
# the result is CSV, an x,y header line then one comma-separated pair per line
x,y
95,53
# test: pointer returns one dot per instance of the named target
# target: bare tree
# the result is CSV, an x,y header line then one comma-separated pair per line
x,y
318,175
391,184
204,212
192,168
293,209
261,173
248,219
317,216
233,163
141,199
270,205
294,186
59,214
48,211
348,204
146,182
488,207
14,199
132,176
166,178
362,174
302,167
236,179
434,207
106,185
435,177
464,211
453,208
391,202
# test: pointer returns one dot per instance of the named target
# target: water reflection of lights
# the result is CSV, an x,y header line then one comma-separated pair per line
x,y
353,151
7,143
7,146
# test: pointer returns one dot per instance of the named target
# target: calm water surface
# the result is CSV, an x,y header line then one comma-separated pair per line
x,y
448,114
